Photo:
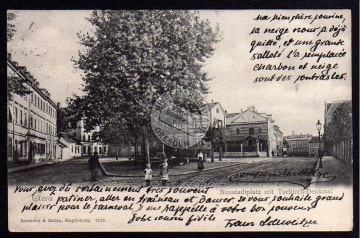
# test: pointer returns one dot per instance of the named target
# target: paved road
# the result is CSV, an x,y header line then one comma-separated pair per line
x,y
257,170
260,170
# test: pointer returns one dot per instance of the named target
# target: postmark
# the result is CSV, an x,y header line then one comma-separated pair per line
x,y
180,118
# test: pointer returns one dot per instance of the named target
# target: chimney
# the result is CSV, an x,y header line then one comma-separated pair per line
x,y
9,56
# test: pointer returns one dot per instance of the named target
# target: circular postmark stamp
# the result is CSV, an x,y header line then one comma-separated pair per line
x,y
180,118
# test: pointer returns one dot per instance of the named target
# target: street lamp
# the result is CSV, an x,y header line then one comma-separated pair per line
x,y
318,127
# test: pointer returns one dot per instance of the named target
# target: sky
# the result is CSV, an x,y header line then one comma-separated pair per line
x,y
46,41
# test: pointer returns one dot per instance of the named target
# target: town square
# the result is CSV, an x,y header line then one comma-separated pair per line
x,y
111,99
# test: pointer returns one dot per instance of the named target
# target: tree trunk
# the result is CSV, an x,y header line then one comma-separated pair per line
x,y
146,143
220,153
135,151
212,153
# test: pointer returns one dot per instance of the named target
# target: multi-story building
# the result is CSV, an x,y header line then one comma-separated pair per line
x,y
252,132
88,144
298,144
31,119
314,146
84,139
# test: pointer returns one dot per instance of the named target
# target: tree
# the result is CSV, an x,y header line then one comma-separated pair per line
x,y
216,137
136,56
340,128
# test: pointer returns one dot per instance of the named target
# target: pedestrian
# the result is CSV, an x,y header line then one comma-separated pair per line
x,y
94,165
200,157
148,174
164,176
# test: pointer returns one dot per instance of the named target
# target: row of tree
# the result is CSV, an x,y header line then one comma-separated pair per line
x,y
340,127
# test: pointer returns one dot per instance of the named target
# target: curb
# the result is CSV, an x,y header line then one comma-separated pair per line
x,y
314,178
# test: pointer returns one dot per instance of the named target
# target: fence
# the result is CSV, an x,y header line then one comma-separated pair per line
x,y
344,151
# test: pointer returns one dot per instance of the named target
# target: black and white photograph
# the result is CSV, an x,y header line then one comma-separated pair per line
x,y
180,120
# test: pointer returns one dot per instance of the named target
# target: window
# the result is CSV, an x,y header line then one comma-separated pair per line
x,y
89,138
84,149
21,117
104,149
10,115
100,149
72,149
10,147
220,124
251,131
84,139
237,131
16,147
35,124
25,119
16,115
217,110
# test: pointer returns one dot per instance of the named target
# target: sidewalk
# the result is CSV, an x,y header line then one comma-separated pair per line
x,y
334,172
26,167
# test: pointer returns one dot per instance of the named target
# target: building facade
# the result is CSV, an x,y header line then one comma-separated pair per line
x,y
69,147
31,119
314,146
298,144
252,132
217,115
86,140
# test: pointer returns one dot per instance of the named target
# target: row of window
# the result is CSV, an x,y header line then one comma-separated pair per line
x,y
298,143
43,105
87,149
251,130
36,123
21,148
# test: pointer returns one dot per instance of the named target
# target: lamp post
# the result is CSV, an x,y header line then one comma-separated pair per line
x,y
318,127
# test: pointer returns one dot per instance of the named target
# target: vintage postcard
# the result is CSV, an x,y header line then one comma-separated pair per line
x,y
180,120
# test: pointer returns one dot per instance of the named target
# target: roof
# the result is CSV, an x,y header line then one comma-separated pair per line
x,y
263,116
30,80
62,145
315,139
211,104
232,114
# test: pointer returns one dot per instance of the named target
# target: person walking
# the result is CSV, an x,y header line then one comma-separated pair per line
x,y
148,174
94,165
200,157
164,176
